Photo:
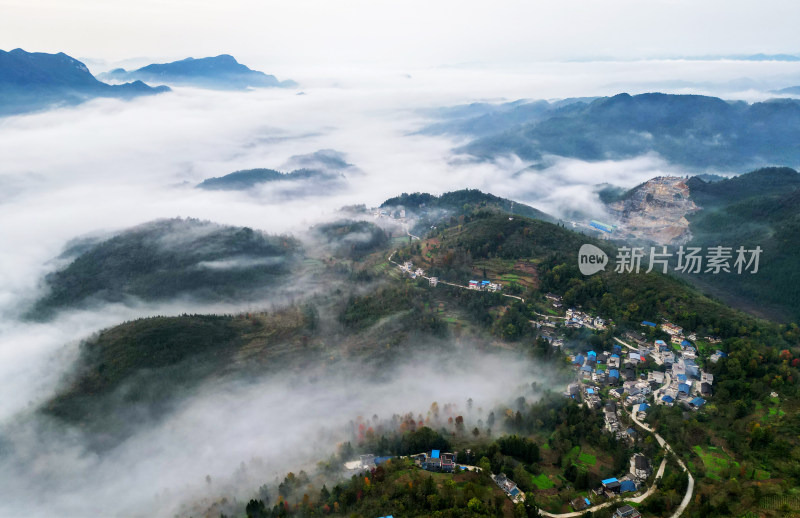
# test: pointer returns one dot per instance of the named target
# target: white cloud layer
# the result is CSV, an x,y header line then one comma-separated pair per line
x,y
109,165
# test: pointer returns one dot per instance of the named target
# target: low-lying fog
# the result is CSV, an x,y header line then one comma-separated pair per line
x,y
286,423
109,165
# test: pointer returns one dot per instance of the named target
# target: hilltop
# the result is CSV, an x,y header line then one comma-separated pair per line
x,y
164,259
219,72
249,178
31,81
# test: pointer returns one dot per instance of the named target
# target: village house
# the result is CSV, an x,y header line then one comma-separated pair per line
x,y
580,503
655,377
640,467
671,328
626,511
611,486
714,358
509,487
436,461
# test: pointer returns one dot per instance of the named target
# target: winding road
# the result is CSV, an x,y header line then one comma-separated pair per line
x,y
687,498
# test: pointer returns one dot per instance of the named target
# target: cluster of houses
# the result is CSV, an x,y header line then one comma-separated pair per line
x,y
611,416
383,213
509,487
580,319
484,286
554,299
408,267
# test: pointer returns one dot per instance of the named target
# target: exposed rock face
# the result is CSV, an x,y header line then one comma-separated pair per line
x,y
656,211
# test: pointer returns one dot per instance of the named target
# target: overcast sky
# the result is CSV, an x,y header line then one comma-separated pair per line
x,y
399,33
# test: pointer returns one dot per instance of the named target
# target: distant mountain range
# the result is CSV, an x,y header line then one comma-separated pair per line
x,y
31,81
690,130
792,90
221,72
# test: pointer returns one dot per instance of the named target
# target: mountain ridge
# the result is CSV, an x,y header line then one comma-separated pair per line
x,y
32,81
217,72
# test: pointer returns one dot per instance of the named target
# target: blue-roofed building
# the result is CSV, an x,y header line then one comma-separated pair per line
x,y
682,377
578,360
588,502
627,486
697,403
686,343
605,227
592,353
590,391
648,323
586,368
434,454
683,388
613,373
643,407
667,399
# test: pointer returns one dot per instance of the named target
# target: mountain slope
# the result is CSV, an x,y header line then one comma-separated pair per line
x,y
219,72
34,81
169,258
691,130
754,209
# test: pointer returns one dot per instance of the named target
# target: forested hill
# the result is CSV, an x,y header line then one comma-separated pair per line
x,y
691,130
169,258
248,178
754,209
430,209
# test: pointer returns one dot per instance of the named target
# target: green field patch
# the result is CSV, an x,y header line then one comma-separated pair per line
x,y
542,481
761,474
715,462
587,458
572,455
